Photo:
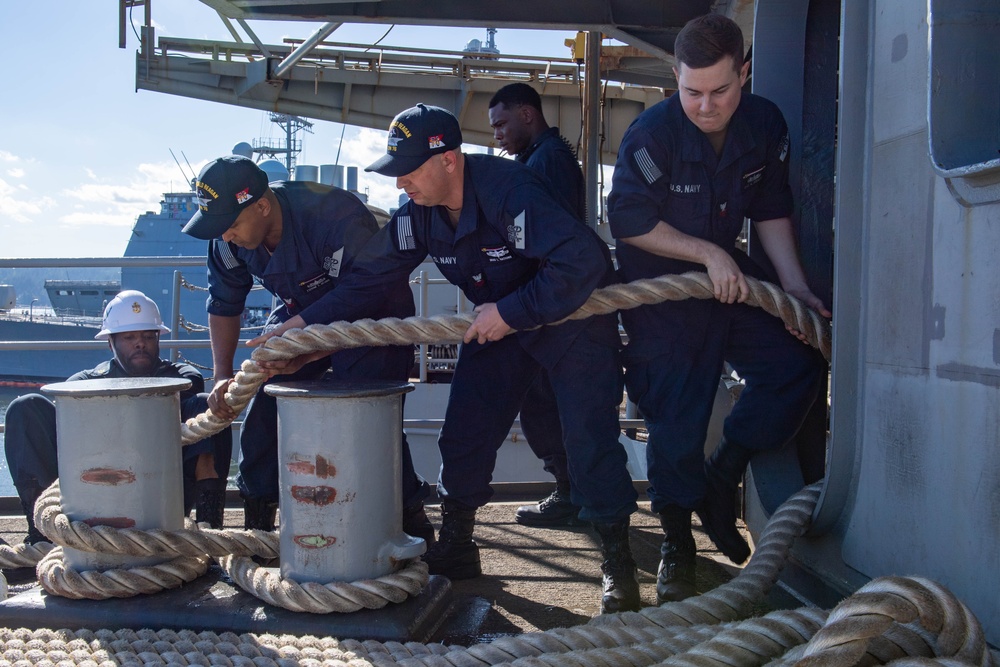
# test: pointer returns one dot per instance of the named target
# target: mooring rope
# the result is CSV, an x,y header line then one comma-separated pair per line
x,y
894,620
451,328
53,523
336,596
886,620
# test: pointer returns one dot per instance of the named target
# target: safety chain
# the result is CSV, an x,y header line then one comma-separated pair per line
x,y
451,328
186,284
894,620
191,327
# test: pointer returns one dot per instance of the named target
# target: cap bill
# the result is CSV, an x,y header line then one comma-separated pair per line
x,y
208,227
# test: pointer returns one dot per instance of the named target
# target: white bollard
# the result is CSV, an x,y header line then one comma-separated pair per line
x,y
339,460
120,461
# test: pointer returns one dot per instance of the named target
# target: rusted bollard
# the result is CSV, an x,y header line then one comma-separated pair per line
x,y
120,460
339,458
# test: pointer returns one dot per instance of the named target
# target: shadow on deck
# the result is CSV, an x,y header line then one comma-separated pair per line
x,y
533,579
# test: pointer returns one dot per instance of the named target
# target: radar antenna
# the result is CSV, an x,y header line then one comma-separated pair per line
x,y
292,125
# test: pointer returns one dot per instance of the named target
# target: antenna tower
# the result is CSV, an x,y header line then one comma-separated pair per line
x,y
292,125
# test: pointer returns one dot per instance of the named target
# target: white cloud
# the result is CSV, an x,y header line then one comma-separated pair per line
x,y
7,156
104,202
17,203
16,172
109,218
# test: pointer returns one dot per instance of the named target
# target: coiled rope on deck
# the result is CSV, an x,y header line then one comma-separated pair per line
x,y
451,328
884,622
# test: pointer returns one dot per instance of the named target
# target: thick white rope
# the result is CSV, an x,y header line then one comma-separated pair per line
x,y
943,628
451,329
336,596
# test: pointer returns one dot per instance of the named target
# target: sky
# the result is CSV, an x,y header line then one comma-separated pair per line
x,y
82,153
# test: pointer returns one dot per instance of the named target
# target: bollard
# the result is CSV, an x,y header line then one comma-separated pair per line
x,y
120,461
339,460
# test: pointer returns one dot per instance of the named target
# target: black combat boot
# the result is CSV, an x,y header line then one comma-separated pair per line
x,y
28,497
723,472
621,587
211,501
258,513
675,576
416,524
455,555
555,510
22,575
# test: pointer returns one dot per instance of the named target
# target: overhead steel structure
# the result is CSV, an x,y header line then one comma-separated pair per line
x,y
366,86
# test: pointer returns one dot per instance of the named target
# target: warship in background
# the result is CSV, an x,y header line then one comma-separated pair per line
x,y
179,290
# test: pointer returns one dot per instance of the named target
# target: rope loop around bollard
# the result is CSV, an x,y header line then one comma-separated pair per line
x,y
189,551
59,579
317,598
196,541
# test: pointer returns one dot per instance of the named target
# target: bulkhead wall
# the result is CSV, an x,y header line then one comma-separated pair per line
x,y
925,497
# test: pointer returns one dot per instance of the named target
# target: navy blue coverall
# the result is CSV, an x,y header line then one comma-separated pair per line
x,y
552,157
323,229
515,246
667,170
30,432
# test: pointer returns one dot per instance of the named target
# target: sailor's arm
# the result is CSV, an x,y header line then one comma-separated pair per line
x,y
665,240
778,241
224,330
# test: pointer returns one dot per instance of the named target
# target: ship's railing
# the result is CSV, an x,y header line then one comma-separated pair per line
x,y
431,359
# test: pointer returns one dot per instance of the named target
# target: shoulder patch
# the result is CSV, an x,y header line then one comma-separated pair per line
x,y
333,263
226,254
404,233
515,232
645,163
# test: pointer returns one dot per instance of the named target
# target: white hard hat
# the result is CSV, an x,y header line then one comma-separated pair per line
x,y
131,310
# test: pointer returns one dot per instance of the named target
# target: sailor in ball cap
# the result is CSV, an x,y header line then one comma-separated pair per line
x,y
495,229
299,240
225,188
415,135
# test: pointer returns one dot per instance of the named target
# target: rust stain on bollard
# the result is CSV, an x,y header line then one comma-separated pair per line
x,y
314,495
314,541
107,476
112,521
322,468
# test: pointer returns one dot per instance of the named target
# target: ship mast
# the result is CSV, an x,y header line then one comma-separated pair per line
x,y
291,125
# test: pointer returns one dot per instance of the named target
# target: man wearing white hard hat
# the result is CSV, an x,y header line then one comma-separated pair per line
x,y
132,327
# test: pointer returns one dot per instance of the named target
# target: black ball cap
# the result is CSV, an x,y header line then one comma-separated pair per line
x,y
225,187
416,134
